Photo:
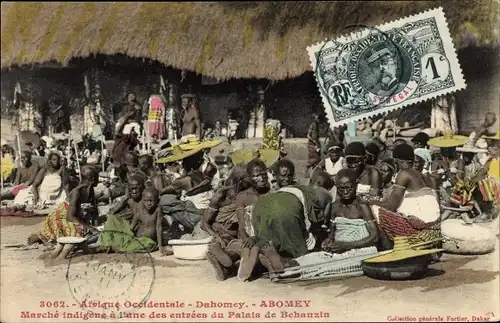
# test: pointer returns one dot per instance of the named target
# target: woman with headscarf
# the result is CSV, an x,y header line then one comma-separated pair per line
x,y
370,180
412,209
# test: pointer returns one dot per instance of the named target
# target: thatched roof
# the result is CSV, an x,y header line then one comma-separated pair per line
x,y
223,40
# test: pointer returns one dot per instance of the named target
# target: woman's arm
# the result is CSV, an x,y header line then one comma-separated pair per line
x,y
65,180
177,185
74,205
241,215
120,206
212,210
36,183
159,228
397,193
17,181
33,176
376,183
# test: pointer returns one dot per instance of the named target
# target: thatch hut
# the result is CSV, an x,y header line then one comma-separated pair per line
x,y
265,40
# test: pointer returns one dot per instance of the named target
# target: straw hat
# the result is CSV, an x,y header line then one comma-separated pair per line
x,y
243,156
192,142
495,137
181,151
448,140
403,250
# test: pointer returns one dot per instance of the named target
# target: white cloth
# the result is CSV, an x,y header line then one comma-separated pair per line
x,y
248,221
50,192
363,189
333,168
422,204
129,126
200,201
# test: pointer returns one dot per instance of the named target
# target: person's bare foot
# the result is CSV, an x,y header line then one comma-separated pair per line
x,y
247,263
222,256
33,239
466,218
482,219
220,272
274,264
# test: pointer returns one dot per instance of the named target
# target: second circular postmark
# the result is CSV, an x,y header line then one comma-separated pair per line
x,y
111,283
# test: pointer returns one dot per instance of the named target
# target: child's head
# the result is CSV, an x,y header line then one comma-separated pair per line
x,y
150,198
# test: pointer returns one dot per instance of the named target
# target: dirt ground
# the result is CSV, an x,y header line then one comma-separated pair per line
x,y
459,288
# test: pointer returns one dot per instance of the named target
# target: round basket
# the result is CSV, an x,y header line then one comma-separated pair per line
x,y
406,269
467,239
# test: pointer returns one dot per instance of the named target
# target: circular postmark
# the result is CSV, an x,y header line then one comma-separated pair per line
x,y
111,283
359,75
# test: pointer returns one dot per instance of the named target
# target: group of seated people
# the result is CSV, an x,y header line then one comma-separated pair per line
x,y
357,197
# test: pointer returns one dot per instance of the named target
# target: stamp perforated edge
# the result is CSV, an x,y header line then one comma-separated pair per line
x,y
450,53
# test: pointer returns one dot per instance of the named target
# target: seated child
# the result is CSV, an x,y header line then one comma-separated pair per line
x,y
147,222
131,204
352,223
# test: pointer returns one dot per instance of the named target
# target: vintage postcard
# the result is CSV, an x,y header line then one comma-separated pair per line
x,y
383,68
175,162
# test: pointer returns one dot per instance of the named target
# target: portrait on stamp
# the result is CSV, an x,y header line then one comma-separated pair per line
x,y
383,68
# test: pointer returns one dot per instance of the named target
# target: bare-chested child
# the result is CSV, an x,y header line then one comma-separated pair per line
x,y
147,222
132,203
352,223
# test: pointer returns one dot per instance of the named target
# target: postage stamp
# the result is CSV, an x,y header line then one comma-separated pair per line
x,y
106,283
379,69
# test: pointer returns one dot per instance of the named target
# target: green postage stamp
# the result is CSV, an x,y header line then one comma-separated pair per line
x,y
380,69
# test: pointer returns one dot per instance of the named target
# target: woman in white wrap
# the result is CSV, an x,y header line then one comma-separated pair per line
x,y
412,209
51,185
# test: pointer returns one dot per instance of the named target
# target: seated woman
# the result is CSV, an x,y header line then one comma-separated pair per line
x,y
352,223
222,222
186,198
464,191
412,208
25,176
67,220
287,221
369,177
51,185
